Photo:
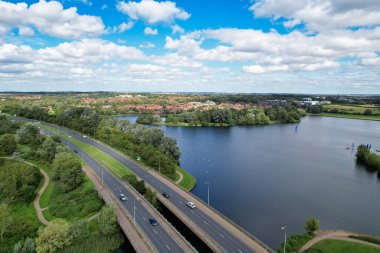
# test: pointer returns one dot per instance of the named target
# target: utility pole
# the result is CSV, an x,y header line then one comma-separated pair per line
x,y
159,164
284,228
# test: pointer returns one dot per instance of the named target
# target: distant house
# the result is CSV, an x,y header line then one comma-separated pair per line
x,y
273,102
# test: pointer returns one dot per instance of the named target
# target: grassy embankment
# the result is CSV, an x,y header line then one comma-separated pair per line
x,y
351,111
187,183
339,246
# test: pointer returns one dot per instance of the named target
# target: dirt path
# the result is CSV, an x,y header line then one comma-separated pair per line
x,y
38,197
180,177
336,235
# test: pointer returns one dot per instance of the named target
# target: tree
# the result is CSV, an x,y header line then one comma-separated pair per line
x,y
311,226
49,149
27,247
28,133
54,237
8,144
107,221
79,230
68,170
5,220
368,112
140,187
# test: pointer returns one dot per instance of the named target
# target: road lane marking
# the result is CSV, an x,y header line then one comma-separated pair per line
x,y
191,211
167,246
240,251
143,218
205,222
221,235
155,231
180,202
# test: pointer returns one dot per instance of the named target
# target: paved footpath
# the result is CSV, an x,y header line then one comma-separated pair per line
x,y
335,235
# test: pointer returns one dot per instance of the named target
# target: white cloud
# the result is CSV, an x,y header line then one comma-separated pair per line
x,y
177,29
125,26
147,44
320,15
50,18
25,31
152,11
150,31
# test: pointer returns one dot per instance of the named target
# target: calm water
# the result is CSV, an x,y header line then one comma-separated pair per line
x,y
266,177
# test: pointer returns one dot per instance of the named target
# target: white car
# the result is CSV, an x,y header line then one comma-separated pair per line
x,y
122,197
191,205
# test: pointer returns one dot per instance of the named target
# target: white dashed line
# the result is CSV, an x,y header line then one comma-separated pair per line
x,y
143,218
205,222
191,211
221,235
155,231
179,201
240,251
167,246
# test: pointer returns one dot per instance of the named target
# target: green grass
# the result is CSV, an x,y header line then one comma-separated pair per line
x,y
339,246
48,193
349,116
188,182
353,108
101,157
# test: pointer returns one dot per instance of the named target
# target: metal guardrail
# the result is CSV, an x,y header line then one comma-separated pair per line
x,y
227,219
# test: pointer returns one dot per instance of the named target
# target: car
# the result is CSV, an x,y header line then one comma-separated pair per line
x,y
122,197
190,204
153,222
84,136
165,195
76,150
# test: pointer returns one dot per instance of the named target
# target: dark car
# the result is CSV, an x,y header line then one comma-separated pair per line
x,y
76,150
165,195
153,222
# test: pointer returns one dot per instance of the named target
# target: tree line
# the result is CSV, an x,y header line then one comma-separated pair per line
x,y
151,145
227,116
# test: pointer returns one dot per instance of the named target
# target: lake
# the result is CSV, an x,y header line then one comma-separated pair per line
x,y
266,177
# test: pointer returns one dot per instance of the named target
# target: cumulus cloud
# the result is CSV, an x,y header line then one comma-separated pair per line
x,y
150,31
320,15
49,18
177,29
152,11
267,52
125,26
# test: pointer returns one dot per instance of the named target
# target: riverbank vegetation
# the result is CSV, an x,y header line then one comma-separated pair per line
x,y
365,112
228,117
295,242
369,159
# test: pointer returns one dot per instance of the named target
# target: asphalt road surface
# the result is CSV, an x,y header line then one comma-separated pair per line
x,y
215,231
158,237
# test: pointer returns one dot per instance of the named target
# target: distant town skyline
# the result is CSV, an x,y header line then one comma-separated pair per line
x,y
232,46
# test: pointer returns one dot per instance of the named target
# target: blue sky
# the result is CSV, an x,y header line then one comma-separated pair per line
x,y
274,46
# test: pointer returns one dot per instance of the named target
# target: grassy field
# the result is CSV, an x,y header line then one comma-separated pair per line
x,y
349,116
353,109
339,246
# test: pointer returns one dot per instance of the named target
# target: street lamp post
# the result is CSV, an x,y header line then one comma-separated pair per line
x,y
134,211
284,228
159,164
